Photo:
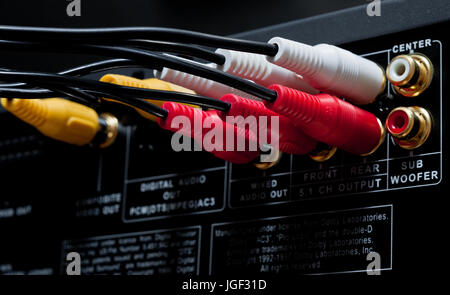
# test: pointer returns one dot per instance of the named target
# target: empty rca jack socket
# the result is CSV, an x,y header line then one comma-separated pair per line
x,y
410,126
410,74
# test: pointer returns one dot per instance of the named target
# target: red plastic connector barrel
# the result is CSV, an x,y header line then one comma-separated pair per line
x,y
290,139
201,123
329,119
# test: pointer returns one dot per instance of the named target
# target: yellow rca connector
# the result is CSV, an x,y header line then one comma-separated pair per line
x,y
163,85
410,74
65,120
151,83
410,126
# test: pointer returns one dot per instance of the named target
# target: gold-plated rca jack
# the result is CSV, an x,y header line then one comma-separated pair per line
x,y
275,157
109,128
410,74
410,126
323,152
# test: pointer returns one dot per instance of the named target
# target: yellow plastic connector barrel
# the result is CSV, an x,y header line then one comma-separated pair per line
x,y
57,118
151,83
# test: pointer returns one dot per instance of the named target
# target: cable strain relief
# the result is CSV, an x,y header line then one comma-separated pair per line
x,y
300,107
176,110
255,67
245,107
246,65
31,111
124,81
297,57
200,85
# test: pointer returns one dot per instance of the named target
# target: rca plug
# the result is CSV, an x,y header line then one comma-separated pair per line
x,y
265,165
323,152
410,74
330,120
65,120
331,69
246,112
409,126
255,67
200,85
164,85
151,83
213,135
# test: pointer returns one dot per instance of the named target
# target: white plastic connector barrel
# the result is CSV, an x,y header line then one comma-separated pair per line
x,y
198,84
331,69
256,68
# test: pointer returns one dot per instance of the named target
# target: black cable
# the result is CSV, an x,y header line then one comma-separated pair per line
x,y
150,45
81,96
100,66
86,69
10,92
67,91
147,59
136,102
188,50
34,78
57,91
150,33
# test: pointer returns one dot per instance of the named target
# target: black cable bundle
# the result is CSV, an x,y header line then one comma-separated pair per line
x,y
137,47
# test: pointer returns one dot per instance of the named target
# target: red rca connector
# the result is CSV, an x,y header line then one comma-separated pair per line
x,y
225,141
330,120
290,139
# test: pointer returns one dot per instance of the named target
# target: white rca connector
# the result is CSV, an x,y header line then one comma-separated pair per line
x,y
256,68
198,84
331,69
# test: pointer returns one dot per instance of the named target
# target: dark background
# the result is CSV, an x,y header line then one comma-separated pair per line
x,y
418,218
217,17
